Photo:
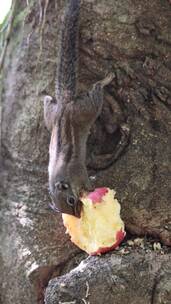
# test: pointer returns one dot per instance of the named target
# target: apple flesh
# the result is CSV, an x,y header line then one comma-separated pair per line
x,y
100,228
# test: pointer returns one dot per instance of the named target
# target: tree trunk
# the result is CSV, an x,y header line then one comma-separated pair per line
x,y
133,40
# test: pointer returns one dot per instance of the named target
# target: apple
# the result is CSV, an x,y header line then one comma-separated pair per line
x,y
100,227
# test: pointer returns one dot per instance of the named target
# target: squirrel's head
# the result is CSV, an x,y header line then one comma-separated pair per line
x,y
63,199
67,183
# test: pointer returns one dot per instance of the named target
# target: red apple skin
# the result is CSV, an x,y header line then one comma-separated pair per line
x,y
119,238
97,194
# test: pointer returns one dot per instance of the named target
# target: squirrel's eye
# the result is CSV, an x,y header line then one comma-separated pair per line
x,y
71,200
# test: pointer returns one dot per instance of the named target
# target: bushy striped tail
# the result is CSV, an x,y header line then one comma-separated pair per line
x,y
68,52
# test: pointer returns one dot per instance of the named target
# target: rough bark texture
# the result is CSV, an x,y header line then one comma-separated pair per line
x,y
137,278
133,40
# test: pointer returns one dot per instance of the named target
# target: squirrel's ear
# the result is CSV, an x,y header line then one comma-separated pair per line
x,y
50,109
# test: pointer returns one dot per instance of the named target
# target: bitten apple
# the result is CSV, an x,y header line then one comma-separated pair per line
x,y
100,228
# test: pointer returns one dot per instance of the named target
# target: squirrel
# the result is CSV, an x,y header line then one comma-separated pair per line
x,y
69,117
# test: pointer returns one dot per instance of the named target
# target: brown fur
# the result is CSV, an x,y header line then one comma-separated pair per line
x,y
69,118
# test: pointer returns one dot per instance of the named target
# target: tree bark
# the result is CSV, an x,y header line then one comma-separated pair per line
x,y
133,40
135,278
